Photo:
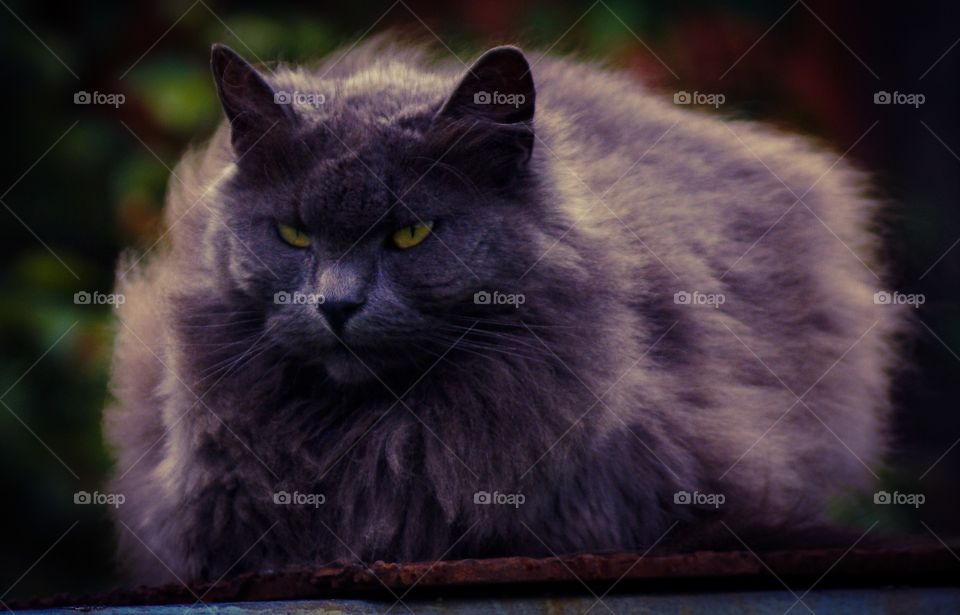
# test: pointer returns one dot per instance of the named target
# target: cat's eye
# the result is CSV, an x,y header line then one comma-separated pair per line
x,y
413,235
292,235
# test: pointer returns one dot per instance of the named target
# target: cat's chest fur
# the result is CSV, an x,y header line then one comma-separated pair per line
x,y
389,476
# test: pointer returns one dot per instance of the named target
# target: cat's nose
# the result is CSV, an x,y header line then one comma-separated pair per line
x,y
338,312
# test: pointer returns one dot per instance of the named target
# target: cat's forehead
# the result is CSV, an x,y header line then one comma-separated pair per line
x,y
357,189
346,186
363,136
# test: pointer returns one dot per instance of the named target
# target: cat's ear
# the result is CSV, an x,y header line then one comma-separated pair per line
x,y
247,99
497,88
494,104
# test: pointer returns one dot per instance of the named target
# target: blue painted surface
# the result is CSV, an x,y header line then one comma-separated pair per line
x,y
907,601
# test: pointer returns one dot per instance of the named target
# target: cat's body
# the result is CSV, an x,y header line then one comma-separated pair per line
x,y
693,398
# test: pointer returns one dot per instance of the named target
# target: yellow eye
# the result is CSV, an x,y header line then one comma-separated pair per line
x,y
410,236
292,235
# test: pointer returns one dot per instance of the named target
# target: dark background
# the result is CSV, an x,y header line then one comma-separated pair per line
x,y
80,183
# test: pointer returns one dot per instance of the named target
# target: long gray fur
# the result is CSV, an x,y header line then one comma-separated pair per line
x,y
598,399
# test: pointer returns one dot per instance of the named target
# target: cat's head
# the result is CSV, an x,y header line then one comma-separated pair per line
x,y
372,220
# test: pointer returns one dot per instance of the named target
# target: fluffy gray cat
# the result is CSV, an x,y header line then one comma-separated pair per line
x,y
410,311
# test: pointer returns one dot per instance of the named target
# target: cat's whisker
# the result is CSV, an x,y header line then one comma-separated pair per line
x,y
213,345
231,360
496,348
518,332
214,325
506,338
240,363
205,314
508,323
238,336
487,352
506,341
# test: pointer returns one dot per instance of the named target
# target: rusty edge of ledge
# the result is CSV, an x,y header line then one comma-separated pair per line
x,y
705,570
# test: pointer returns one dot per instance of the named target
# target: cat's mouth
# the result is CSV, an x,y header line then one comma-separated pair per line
x,y
349,363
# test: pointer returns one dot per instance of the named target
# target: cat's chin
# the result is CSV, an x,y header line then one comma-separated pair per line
x,y
347,369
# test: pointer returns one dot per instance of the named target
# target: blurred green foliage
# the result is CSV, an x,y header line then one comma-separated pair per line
x,y
69,210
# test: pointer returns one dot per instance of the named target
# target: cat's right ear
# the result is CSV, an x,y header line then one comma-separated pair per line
x,y
486,124
247,99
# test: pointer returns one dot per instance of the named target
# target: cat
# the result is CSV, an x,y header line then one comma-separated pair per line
x,y
414,310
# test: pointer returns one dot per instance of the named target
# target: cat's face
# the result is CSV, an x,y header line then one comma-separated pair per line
x,y
364,238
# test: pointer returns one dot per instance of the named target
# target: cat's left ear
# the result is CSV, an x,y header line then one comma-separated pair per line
x,y
495,101
248,101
